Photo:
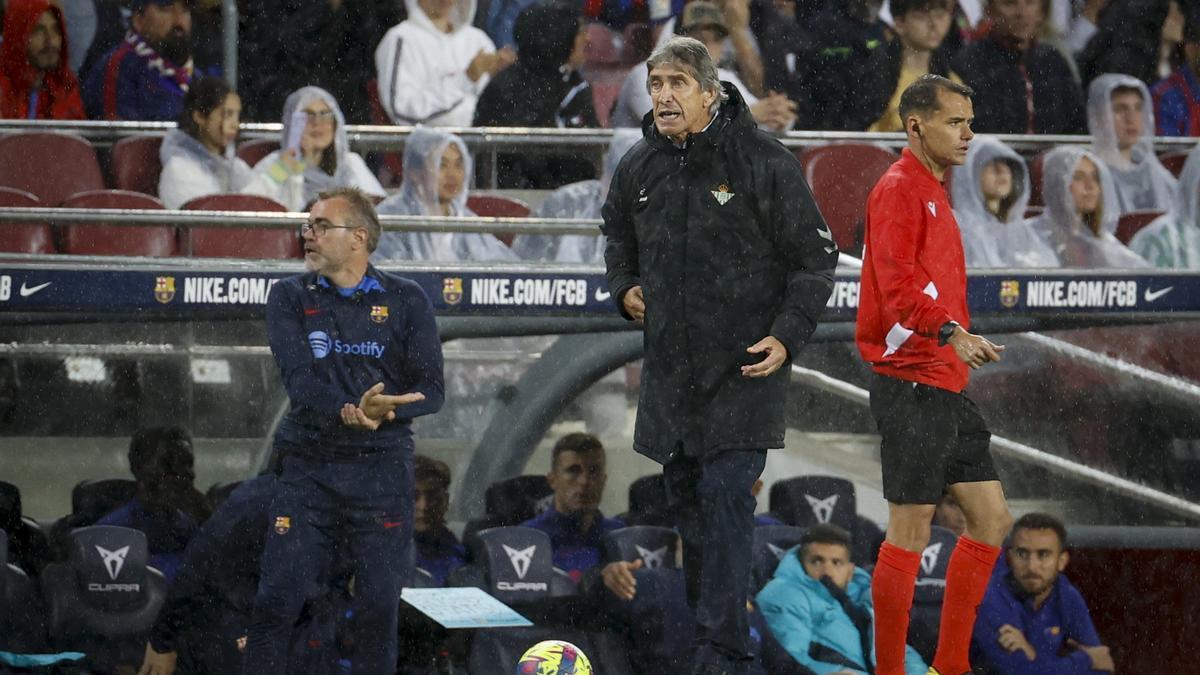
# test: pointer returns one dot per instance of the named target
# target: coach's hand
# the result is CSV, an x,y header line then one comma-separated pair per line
x,y
974,350
377,404
776,356
618,578
635,304
154,663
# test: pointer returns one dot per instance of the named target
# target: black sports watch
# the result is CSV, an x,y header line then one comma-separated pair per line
x,y
945,332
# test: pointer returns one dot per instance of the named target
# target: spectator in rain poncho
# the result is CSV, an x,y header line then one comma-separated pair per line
x,y
198,157
1121,121
1081,211
990,192
1173,239
322,162
577,200
437,167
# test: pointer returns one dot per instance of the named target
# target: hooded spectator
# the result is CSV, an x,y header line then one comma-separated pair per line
x,y
1173,239
1177,98
990,192
577,200
146,75
1022,86
1081,211
1121,121
433,65
198,157
36,81
437,168
1129,39
323,161
543,89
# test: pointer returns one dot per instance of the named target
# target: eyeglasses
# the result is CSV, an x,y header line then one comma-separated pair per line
x,y
319,115
319,229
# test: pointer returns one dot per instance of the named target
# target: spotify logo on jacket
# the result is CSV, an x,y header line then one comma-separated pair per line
x,y
321,346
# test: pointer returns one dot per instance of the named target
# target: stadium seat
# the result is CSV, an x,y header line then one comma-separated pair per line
x,y
648,502
604,46
391,164
253,151
91,500
49,165
511,502
136,165
516,562
655,546
1174,161
87,239
1131,222
23,237
770,543
496,206
28,547
805,501
22,622
212,242
841,176
498,650
104,599
927,599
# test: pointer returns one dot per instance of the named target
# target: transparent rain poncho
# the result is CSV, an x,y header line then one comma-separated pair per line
x,y
989,241
1173,239
1073,241
1142,182
191,170
418,196
577,200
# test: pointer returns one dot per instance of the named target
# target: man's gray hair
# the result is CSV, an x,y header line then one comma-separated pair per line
x,y
691,56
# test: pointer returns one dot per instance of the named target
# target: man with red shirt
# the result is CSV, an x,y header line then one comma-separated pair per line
x,y
913,329
36,81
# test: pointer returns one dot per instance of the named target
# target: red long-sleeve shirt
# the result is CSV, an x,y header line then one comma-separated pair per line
x,y
914,279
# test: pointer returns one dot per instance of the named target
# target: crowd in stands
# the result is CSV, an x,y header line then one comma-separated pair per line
x,y
811,613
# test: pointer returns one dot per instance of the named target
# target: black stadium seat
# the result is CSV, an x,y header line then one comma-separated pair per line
x,y
805,501
91,500
655,546
931,586
103,601
22,622
770,543
28,547
648,502
514,564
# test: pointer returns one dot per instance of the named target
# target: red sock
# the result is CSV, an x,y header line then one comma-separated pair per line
x,y
892,587
966,581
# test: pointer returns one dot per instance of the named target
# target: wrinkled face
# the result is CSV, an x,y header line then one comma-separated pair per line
x,y
1018,20
578,481
828,560
924,29
451,174
1085,187
168,29
945,134
681,107
1128,116
430,509
220,127
996,180
1036,558
319,130
45,42
329,251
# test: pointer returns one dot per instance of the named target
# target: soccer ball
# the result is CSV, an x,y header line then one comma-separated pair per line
x,y
554,657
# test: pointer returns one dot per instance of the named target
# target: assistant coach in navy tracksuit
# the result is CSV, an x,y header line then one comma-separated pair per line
x,y
359,355
716,244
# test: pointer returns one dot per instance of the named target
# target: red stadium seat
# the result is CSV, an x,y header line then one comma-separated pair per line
x,y
50,166
495,206
1174,161
84,239
604,97
603,46
253,152
23,237
841,176
136,164
211,242
1131,222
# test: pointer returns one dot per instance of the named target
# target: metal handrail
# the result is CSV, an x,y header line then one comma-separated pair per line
x,y
260,220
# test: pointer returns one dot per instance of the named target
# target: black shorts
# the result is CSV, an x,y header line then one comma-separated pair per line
x,y
932,438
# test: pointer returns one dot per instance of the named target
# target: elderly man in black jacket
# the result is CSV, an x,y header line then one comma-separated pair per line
x,y
715,243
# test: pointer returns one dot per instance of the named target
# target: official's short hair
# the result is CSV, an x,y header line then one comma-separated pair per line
x,y
824,533
147,443
362,212
1042,521
203,96
921,97
577,442
431,471
691,56
902,7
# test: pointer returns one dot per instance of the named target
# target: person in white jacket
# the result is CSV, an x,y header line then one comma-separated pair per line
x,y
433,65
1121,121
323,161
198,157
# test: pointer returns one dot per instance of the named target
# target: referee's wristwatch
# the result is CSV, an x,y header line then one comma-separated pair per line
x,y
945,332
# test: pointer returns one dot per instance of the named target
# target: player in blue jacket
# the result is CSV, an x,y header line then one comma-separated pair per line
x,y
359,354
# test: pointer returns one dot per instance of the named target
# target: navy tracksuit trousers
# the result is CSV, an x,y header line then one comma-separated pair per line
x,y
363,505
